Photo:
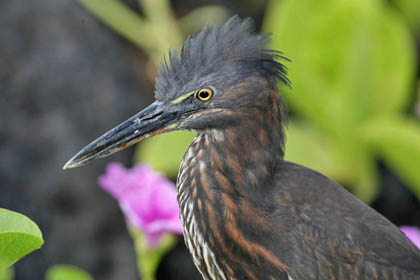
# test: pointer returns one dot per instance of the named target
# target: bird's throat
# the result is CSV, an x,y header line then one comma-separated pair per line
x,y
237,161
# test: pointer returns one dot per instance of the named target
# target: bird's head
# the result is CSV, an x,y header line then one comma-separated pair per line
x,y
221,72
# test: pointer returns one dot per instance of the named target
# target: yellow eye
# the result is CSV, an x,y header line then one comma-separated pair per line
x,y
205,94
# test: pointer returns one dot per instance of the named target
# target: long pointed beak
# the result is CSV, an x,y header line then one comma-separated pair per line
x,y
150,121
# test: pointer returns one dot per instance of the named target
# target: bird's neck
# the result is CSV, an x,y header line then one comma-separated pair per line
x,y
222,168
246,156
241,158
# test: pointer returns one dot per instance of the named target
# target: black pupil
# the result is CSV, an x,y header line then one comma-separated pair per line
x,y
204,94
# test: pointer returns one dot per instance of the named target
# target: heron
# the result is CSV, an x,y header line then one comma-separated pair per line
x,y
247,213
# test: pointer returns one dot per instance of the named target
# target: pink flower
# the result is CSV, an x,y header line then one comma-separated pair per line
x,y
413,233
147,199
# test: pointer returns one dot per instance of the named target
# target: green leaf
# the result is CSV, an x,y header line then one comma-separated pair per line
x,y
351,61
346,162
164,152
397,141
67,272
411,11
155,33
194,21
119,17
18,236
6,273
346,56
360,166
148,259
309,147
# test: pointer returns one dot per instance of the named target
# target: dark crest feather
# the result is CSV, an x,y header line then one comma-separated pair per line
x,y
214,47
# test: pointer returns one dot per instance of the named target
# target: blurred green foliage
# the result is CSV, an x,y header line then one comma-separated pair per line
x,y
157,30
352,71
164,152
18,237
411,12
67,272
6,273
149,259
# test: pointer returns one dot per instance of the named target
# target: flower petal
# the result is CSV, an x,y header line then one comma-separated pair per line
x,y
173,226
413,233
147,199
112,181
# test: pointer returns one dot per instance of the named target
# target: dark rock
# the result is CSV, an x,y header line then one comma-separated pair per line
x,y
65,79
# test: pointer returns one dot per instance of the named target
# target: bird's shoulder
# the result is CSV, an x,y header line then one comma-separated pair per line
x,y
325,219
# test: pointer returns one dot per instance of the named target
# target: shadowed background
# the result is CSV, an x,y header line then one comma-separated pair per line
x,y
65,78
